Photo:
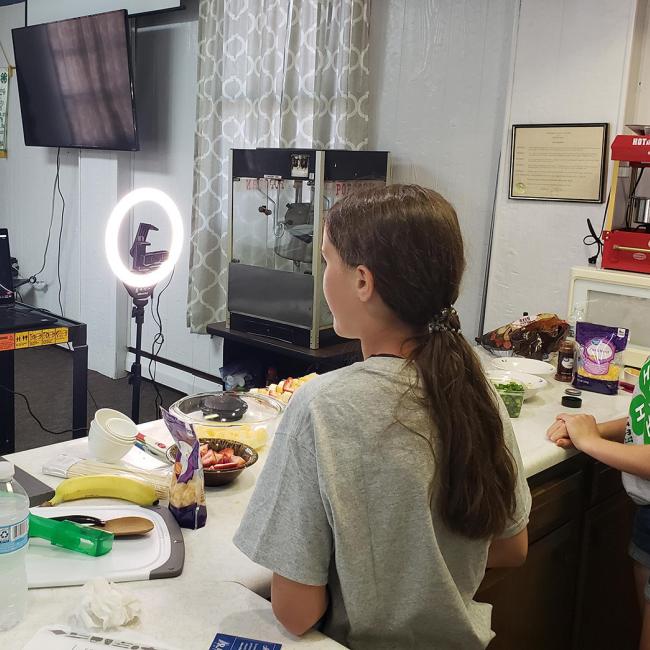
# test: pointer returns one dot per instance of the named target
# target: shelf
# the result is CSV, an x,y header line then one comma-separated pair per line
x,y
348,350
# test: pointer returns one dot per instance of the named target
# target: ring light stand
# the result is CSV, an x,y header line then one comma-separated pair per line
x,y
148,268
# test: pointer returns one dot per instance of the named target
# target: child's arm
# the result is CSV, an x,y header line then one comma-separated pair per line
x,y
585,435
508,551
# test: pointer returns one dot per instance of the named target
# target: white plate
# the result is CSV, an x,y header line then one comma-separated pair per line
x,y
521,364
532,383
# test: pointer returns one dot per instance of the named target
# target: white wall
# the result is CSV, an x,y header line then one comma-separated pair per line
x,y
166,87
571,65
439,77
92,182
439,74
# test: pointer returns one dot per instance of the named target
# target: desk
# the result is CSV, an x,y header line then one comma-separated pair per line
x,y
185,612
63,330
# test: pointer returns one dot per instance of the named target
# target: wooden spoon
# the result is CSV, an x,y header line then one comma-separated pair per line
x,y
120,526
124,526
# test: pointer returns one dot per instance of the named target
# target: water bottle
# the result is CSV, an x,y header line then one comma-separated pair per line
x,y
14,525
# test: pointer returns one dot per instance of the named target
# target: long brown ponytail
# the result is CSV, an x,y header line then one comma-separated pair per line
x,y
409,237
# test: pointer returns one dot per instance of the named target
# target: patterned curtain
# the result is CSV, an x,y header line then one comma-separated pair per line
x,y
272,73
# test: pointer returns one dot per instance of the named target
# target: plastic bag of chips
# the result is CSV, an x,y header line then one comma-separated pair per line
x,y
187,489
599,357
529,336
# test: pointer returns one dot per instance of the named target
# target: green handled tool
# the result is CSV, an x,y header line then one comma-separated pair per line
x,y
71,536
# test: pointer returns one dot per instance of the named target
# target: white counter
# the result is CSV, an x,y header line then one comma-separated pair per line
x,y
538,413
203,597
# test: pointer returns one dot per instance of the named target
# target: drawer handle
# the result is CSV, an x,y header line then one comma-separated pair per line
x,y
631,249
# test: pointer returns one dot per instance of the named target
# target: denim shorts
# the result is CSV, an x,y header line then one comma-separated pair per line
x,y
640,544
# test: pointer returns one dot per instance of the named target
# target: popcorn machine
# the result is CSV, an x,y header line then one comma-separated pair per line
x,y
278,199
626,234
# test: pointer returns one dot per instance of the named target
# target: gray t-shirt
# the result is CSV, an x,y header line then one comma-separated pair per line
x,y
347,498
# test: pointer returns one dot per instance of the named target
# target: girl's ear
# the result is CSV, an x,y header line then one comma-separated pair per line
x,y
365,283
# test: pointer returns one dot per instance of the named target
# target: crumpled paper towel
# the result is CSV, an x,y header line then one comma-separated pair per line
x,y
104,607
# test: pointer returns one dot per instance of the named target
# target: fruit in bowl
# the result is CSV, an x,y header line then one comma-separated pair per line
x,y
284,389
223,460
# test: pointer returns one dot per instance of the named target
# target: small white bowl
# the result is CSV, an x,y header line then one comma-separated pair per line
x,y
532,383
105,447
103,415
521,364
121,429
631,375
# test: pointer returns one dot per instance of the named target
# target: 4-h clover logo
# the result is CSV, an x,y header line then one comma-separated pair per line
x,y
3,77
640,407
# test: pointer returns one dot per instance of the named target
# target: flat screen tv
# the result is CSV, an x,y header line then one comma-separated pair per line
x,y
75,83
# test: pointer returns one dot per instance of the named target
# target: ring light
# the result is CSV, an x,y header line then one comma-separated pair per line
x,y
151,278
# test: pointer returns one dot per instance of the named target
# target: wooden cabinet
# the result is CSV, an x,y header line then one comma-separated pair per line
x,y
607,613
533,606
576,589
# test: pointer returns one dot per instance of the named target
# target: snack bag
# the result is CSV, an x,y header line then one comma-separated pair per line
x,y
187,490
529,336
599,357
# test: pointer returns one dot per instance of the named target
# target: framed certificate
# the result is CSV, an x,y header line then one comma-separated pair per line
x,y
558,162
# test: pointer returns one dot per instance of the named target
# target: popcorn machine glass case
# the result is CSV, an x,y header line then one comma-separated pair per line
x,y
277,203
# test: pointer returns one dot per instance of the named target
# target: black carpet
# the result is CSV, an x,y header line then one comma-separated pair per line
x,y
44,376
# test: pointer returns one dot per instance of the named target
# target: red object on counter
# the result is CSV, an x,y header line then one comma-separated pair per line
x,y
626,250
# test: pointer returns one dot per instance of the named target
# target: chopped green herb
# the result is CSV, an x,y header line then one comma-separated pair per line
x,y
510,387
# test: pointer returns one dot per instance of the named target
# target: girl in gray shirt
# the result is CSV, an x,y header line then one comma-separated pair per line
x,y
391,484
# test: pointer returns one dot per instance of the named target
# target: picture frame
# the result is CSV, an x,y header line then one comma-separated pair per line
x,y
558,162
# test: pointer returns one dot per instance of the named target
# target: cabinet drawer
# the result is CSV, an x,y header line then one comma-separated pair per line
x,y
554,503
605,482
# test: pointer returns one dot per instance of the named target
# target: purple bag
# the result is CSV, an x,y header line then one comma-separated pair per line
x,y
187,489
599,357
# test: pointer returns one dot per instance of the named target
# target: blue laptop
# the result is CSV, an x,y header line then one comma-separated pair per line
x,y
14,316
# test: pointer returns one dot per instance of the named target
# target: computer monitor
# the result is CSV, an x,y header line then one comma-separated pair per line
x,y
7,296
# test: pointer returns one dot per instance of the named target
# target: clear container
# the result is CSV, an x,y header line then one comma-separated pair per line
x,y
512,399
14,527
213,415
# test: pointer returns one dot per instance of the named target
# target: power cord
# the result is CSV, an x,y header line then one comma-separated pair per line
x,y
157,343
32,278
595,239
29,408
58,259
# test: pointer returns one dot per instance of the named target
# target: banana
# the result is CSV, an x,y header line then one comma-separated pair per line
x,y
113,487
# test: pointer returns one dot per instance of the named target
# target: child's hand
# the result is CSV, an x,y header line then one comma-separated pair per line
x,y
558,433
582,429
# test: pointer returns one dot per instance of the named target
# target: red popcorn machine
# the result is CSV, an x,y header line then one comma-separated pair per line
x,y
626,234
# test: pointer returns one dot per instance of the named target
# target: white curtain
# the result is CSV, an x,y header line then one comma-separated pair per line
x,y
272,73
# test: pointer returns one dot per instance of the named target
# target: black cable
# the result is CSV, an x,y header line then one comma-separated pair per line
x,y
29,408
32,278
157,343
58,259
593,238
92,397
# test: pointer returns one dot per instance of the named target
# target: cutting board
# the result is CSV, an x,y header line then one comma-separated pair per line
x,y
158,554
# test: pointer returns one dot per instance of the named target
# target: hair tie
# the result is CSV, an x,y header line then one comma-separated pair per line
x,y
445,321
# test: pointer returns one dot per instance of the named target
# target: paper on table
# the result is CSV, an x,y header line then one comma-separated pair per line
x,y
61,637
143,460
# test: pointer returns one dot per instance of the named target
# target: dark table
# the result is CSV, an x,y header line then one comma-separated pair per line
x,y
289,359
63,330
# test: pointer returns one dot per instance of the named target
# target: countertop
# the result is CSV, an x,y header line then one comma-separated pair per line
x,y
538,413
185,612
